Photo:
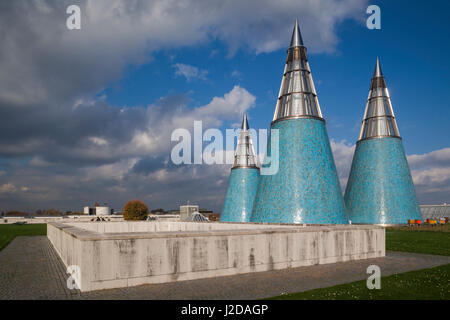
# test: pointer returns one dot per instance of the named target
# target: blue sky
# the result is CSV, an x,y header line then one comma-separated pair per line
x,y
412,44
86,116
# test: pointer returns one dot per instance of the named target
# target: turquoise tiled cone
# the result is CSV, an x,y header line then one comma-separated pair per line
x,y
240,195
380,189
306,188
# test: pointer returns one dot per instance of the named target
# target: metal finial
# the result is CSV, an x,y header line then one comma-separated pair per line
x,y
377,72
298,97
245,153
245,123
296,39
379,119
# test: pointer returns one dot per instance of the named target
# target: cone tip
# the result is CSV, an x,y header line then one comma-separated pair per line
x,y
296,39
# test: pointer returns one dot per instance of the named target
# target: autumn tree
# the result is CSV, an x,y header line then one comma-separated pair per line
x,y
135,210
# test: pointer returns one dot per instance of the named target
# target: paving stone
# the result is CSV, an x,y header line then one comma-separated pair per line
x,y
31,269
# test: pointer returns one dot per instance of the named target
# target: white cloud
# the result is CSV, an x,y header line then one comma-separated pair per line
x,y
189,72
343,156
92,170
7,188
236,74
98,141
438,157
431,175
231,106
59,64
114,171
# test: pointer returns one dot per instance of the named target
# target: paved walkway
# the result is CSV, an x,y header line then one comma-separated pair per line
x,y
31,269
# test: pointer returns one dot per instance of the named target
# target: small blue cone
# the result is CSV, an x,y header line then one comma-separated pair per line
x,y
243,180
380,189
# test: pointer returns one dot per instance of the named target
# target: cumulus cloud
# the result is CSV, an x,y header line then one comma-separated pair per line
x,y
60,64
431,175
126,155
100,134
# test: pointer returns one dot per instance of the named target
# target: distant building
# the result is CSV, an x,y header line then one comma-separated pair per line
x,y
205,211
436,211
159,211
210,214
213,216
98,211
197,217
187,211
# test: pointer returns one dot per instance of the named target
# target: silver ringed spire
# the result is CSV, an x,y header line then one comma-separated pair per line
x,y
244,156
379,119
297,97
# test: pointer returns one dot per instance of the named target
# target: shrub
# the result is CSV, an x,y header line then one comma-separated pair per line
x,y
135,210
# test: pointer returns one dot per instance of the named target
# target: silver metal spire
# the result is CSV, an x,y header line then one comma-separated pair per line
x,y
244,157
297,97
296,40
377,72
379,120
245,123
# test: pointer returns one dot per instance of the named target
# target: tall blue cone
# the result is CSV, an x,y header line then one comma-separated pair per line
x,y
243,180
306,187
380,189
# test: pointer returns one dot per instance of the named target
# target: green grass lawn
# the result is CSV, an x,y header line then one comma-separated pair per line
x,y
431,240
9,231
423,284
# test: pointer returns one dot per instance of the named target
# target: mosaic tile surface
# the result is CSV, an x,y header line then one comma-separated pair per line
x,y
380,189
306,188
240,195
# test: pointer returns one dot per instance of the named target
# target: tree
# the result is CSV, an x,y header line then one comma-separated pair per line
x,y
52,213
135,210
15,214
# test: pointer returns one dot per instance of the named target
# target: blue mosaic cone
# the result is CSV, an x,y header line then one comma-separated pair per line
x,y
306,187
380,189
240,195
243,180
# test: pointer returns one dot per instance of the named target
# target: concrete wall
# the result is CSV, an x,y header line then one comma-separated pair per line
x,y
200,250
168,226
38,220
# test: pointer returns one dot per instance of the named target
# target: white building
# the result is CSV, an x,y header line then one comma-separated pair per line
x,y
186,211
98,211
435,211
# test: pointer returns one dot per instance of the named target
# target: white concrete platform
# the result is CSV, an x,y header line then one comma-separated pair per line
x,y
123,254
